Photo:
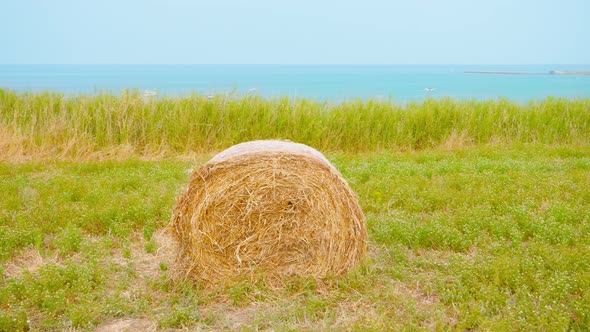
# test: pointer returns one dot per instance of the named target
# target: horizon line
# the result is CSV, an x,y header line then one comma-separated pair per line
x,y
295,64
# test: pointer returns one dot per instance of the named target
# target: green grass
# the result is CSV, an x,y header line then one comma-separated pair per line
x,y
489,238
52,125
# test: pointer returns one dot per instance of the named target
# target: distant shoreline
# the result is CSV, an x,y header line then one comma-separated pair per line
x,y
552,72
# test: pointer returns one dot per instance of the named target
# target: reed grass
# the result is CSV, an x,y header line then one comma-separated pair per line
x,y
52,124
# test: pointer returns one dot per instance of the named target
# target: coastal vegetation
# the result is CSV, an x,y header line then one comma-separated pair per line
x,y
477,212
53,125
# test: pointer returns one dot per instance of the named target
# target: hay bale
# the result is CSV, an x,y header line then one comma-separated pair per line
x,y
268,209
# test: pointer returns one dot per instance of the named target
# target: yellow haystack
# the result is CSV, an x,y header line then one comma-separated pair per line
x,y
268,209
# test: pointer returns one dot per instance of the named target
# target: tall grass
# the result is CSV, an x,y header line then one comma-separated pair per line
x,y
52,123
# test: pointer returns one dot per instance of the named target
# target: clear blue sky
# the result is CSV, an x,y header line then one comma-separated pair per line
x,y
301,32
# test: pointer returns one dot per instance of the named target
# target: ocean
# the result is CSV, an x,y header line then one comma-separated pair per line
x,y
332,82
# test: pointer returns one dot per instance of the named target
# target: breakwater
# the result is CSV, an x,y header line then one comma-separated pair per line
x,y
552,72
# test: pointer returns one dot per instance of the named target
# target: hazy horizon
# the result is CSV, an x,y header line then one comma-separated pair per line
x,y
405,82
296,64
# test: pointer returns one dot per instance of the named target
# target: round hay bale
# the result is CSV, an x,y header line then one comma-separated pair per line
x,y
268,209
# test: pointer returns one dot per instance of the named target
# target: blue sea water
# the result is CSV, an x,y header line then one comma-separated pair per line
x,y
334,82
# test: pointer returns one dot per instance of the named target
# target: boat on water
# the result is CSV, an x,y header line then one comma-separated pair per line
x,y
150,93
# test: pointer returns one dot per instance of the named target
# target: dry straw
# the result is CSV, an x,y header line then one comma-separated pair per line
x,y
268,209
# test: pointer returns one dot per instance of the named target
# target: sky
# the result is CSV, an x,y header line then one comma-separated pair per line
x,y
295,32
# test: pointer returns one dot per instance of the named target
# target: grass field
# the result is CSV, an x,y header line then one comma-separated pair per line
x,y
487,237
478,212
